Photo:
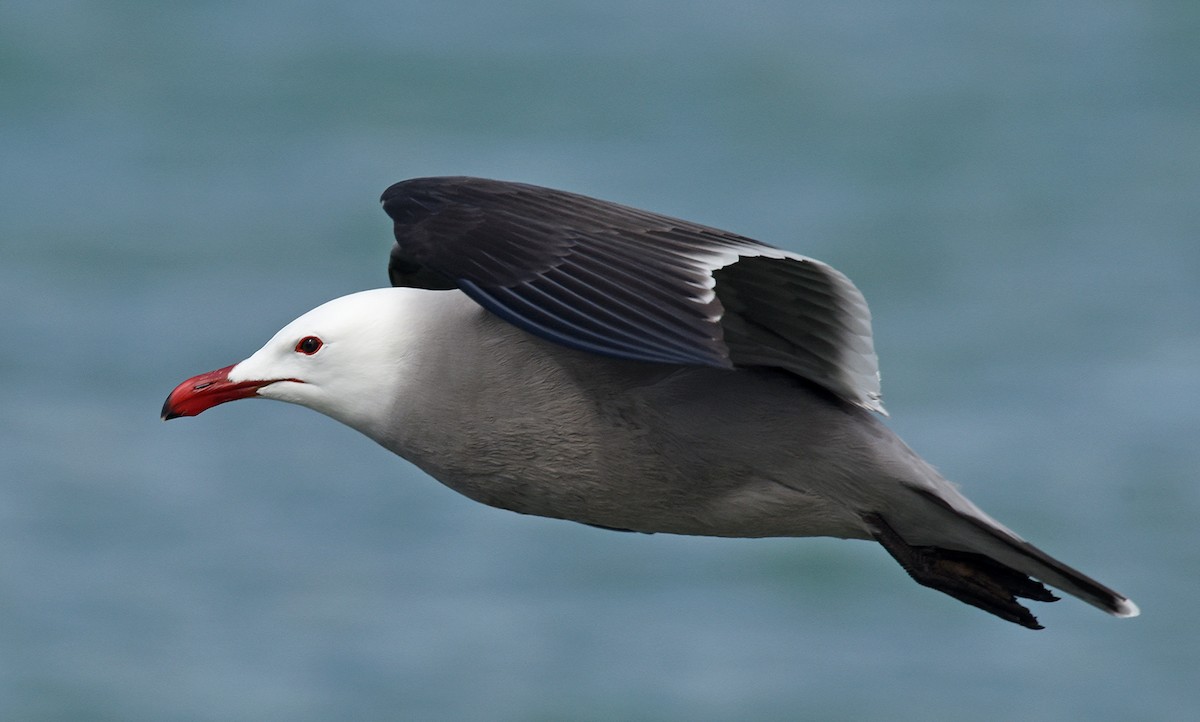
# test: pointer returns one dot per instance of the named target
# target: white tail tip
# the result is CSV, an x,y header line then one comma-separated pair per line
x,y
1126,608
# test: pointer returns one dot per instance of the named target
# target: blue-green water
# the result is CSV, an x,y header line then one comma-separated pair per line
x,y
1013,185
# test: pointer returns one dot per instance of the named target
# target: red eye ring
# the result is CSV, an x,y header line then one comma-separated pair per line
x,y
309,345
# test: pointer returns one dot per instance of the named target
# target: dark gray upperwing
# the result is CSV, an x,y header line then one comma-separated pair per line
x,y
623,282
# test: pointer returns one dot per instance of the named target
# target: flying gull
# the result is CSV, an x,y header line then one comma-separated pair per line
x,y
558,355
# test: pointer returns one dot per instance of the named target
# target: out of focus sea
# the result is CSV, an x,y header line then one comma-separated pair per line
x,y
1014,186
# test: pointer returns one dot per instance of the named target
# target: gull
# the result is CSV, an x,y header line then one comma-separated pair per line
x,y
558,355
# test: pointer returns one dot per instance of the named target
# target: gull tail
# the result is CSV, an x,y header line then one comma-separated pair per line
x,y
979,562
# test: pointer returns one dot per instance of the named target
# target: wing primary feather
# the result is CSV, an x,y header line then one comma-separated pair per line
x,y
633,336
641,326
603,262
510,309
645,301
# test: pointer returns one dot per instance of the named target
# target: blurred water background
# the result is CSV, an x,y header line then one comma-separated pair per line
x,y
1015,187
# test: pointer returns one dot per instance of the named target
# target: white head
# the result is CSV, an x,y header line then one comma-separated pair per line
x,y
346,359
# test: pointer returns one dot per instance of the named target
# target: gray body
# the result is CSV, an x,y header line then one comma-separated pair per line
x,y
516,422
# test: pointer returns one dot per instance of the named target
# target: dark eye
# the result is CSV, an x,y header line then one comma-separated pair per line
x,y
308,345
